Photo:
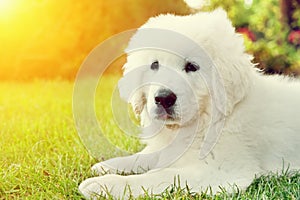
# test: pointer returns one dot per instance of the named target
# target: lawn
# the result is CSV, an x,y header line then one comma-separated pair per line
x,y
42,157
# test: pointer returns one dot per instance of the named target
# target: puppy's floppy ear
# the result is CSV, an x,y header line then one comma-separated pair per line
x,y
130,85
231,82
138,101
236,78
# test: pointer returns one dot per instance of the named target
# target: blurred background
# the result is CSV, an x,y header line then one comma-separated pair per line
x,y
44,39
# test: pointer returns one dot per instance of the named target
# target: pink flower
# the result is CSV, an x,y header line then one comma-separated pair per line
x,y
294,37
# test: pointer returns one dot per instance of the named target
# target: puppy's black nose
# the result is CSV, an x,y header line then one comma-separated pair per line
x,y
165,98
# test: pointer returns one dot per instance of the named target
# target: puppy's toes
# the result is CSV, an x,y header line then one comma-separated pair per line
x,y
105,186
101,169
91,189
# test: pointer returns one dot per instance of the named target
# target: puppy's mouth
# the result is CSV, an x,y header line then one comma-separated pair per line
x,y
168,116
165,114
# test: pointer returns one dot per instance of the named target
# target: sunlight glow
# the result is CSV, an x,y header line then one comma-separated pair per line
x,y
6,6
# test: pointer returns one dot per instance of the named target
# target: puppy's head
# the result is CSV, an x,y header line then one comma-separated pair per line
x,y
185,66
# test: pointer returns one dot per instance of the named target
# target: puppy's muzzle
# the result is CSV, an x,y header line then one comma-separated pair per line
x,y
165,98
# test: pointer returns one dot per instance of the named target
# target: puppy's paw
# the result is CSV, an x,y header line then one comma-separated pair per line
x,y
105,186
91,189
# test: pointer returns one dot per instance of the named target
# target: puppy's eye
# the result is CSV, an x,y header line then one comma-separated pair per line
x,y
155,65
191,67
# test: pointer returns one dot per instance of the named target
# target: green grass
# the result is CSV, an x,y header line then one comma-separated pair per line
x,y
42,157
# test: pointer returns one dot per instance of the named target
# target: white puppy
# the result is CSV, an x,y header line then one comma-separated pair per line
x,y
208,115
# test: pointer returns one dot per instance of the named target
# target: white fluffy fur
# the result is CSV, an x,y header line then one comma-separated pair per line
x,y
262,116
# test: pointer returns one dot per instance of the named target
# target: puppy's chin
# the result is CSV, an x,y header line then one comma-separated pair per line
x,y
172,126
169,122
172,122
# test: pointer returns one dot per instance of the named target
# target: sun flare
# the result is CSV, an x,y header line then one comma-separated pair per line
x,y
5,4
7,7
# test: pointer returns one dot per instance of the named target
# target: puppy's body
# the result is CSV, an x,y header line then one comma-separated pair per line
x,y
267,122
260,121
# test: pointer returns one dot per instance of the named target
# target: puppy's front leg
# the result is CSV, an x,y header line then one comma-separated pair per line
x,y
136,163
126,186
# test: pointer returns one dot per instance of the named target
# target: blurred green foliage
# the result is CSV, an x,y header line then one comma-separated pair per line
x,y
271,48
